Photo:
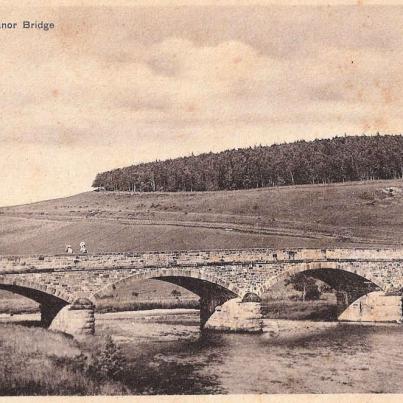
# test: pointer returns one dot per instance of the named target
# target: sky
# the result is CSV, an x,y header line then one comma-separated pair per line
x,y
113,86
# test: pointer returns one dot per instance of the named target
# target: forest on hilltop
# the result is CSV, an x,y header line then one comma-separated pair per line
x,y
347,158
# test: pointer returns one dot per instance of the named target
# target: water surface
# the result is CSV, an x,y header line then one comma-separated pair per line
x,y
168,354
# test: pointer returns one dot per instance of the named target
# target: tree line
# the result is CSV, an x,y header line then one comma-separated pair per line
x,y
346,158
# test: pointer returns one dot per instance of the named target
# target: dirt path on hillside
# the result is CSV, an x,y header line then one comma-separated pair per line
x,y
280,229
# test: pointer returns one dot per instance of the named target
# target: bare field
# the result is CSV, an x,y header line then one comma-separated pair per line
x,y
337,215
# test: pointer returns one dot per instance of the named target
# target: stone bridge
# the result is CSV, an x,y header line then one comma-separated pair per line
x,y
368,282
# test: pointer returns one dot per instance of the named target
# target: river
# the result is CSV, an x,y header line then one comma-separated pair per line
x,y
169,355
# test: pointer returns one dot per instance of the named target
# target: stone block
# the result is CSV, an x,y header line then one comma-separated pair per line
x,y
374,307
74,321
236,316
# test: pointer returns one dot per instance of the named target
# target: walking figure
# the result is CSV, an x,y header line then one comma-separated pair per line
x,y
69,249
83,247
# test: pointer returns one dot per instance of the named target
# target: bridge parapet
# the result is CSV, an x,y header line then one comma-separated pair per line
x,y
190,258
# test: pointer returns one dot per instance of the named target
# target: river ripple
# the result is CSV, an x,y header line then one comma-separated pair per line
x,y
167,354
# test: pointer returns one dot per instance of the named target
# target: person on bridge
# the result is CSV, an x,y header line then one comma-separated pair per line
x,y
83,247
69,249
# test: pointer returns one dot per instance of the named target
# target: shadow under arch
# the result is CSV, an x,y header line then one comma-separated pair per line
x,y
211,290
347,285
49,304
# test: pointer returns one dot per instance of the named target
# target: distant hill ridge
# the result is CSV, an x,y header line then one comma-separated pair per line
x,y
347,158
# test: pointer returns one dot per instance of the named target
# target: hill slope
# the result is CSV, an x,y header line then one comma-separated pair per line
x,y
337,215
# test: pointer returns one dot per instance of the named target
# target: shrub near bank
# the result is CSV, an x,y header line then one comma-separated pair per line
x,y
38,362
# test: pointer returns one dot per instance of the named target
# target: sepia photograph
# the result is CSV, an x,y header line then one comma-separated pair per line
x,y
201,199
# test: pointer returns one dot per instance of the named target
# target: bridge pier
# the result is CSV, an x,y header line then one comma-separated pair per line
x,y
343,299
236,315
208,304
374,307
76,319
48,312
347,296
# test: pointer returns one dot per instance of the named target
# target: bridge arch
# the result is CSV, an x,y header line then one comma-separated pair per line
x,y
347,283
51,299
212,290
332,273
170,274
35,290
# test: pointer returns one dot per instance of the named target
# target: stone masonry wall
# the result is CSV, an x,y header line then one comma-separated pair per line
x,y
241,271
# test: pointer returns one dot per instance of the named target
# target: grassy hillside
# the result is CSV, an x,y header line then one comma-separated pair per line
x,y
337,215
362,214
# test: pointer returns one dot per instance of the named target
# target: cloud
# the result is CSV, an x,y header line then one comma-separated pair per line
x,y
180,84
147,85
